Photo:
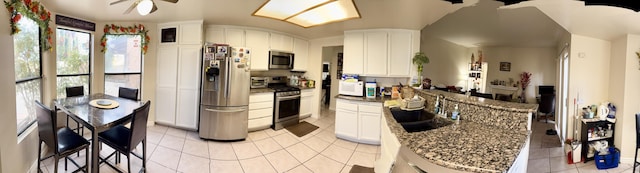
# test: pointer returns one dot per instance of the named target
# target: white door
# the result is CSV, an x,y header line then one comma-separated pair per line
x,y
258,43
305,105
281,42
375,61
191,33
188,87
564,95
347,124
166,84
353,60
369,128
215,35
400,58
301,52
234,37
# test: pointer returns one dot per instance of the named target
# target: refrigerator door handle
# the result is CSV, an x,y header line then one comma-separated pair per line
x,y
225,111
226,87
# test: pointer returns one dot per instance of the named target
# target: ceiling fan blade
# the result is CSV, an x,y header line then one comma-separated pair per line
x,y
154,8
134,5
172,1
118,1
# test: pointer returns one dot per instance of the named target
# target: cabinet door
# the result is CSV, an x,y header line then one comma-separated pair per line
x,y
400,59
353,53
167,70
234,37
258,43
191,33
215,35
305,105
375,61
301,52
369,128
188,87
347,124
281,42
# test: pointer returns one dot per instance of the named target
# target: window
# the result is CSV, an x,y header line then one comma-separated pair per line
x,y
73,60
27,61
123,63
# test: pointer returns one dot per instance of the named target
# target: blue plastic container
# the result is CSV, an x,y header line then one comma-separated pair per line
x,y
608,161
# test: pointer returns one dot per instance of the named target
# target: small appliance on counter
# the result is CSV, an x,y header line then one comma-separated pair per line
x,y
259,82
349,85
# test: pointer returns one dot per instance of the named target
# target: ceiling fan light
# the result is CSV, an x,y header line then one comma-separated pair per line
x,y
144,7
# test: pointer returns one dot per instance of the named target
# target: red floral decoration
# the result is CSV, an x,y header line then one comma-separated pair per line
x,y
525,79
137,29
34,11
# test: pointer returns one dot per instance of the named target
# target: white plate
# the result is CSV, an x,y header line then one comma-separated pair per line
x,y
103,102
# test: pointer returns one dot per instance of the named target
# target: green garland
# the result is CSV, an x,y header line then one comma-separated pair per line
x,y
34,11
136,29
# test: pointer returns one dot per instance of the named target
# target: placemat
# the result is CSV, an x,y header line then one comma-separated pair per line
x,y
113,103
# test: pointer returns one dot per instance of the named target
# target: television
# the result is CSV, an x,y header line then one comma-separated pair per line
x,y
546,89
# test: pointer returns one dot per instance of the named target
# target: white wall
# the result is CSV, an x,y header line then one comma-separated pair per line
x,y
588,71
539,61
447,61
314,66
14,156
623,92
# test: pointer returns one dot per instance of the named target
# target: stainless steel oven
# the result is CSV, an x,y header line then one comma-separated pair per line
x,y
286,109
280,60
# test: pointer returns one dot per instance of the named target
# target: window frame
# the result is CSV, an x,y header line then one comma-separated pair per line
x,y
90,59
104,88
29,79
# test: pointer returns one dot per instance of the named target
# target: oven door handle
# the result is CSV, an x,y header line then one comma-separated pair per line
x,y
225,111
287,97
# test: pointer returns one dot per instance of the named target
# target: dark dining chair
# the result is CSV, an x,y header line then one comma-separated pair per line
x,y
635,159
74,92
63,141
125,140
547,106
483,95
128,93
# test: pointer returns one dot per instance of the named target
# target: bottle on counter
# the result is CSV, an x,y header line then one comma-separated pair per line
x,y
455,113
437,109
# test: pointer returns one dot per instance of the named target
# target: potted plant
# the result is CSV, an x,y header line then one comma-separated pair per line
x,y
419,59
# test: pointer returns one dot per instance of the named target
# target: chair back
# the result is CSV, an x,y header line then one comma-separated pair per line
x,y
75,91
139,125
128,93
46,126
547,103
638,129
483,95
546,89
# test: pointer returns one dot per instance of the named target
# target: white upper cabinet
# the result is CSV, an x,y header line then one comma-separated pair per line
x,y
400,53
380,52
353,60
214,35
258,43
234,37
375,59
190,33
301,53
281,42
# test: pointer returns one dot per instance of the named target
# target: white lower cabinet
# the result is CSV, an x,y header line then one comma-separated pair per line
x,y
358,121
260,111
306,100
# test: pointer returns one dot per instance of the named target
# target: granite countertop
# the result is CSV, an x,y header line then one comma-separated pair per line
x,y
362,99
511,106
261,90
467,146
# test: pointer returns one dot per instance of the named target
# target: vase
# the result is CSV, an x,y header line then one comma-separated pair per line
x,y
523,99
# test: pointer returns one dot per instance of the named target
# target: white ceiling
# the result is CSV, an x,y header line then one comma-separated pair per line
x,y
480,25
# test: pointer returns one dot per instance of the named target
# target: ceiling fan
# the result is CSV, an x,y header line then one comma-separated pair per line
x,y
144,6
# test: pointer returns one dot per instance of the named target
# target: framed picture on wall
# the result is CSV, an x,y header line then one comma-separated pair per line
x,y
505,66
168,35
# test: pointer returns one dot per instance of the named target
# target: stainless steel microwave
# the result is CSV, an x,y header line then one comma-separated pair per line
x,y
280,60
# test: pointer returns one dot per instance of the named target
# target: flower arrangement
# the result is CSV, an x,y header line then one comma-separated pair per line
x,y
136,29
525,79
34,11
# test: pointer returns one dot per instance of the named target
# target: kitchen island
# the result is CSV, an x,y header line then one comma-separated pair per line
x,y
493,136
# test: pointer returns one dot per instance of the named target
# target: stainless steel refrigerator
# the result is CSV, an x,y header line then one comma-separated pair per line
x,y
224,94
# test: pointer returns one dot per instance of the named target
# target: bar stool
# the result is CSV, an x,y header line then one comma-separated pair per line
x,y
635,159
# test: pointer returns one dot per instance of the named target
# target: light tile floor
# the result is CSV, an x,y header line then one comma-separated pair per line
x,y
174,150
545,157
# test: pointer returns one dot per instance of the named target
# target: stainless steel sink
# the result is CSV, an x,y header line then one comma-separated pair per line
x,y
418,120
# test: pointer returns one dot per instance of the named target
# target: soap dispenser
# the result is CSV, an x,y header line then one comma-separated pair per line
x,y
455,113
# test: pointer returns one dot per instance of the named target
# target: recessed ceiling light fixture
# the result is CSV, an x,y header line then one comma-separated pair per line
x,y
308,13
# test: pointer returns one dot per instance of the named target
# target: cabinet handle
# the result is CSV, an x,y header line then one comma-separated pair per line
x,y
225,111
415,167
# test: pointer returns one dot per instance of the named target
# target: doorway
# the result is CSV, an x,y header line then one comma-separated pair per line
x,y
331,58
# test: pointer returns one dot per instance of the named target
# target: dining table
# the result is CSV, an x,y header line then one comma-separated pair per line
x,y
97,119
